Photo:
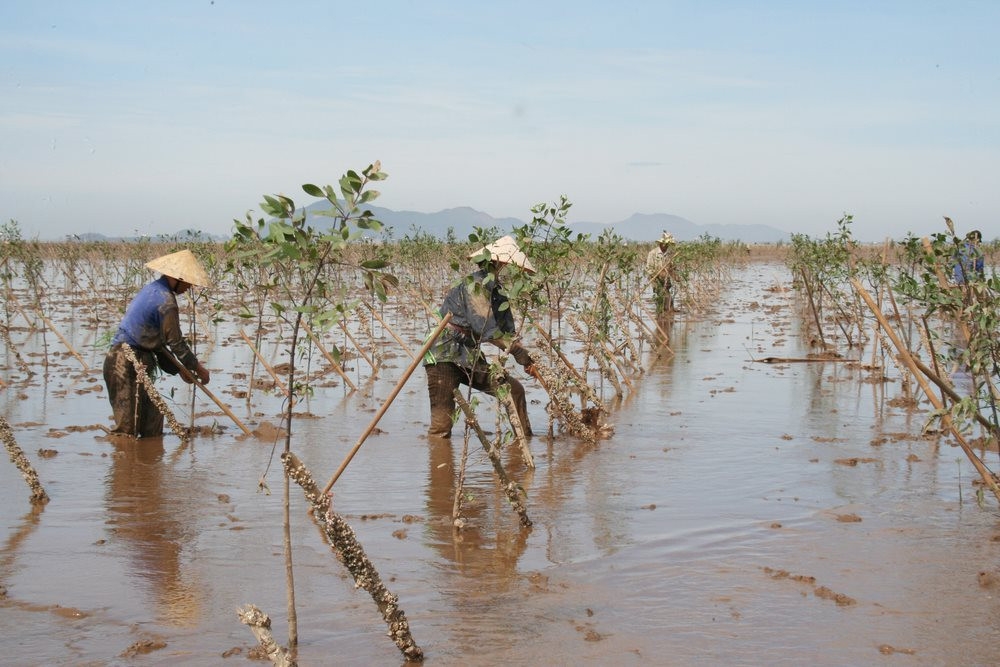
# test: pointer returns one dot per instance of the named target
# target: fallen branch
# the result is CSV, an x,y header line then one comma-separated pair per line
x,y
794,360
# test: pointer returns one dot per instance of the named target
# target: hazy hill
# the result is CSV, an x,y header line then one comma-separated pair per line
x,y
637,227
461,221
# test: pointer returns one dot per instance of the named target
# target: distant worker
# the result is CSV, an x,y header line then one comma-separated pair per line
x,y
659,268
969,263
150,327
480,313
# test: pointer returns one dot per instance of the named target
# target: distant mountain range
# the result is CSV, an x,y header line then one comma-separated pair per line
x,y
460,222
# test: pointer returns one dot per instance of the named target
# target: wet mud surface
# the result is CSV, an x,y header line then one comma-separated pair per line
x,y
742,513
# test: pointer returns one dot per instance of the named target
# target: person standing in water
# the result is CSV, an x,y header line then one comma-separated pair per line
x,y
480,314
151,327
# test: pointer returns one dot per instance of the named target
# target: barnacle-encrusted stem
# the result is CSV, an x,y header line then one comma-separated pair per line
x,y
342,539
260,626
558,388
5,334
154,395
510,488
17,457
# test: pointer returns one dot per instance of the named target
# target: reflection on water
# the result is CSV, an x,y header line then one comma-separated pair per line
x,y
487,545
142,515
735,505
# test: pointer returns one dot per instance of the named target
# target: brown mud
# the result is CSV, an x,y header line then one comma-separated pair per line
x,y
740,514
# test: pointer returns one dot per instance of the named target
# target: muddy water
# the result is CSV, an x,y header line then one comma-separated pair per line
x,y
742,513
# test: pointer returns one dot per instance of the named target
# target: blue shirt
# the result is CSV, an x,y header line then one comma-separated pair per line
x,y
969,264
152,322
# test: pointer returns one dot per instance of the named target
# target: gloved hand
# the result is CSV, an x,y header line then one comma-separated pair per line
x,y
532,370
521,355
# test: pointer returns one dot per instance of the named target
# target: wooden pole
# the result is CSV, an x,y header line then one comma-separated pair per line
x,y
389,329
385,406
328,356
910,362
267,366
65,342
190,377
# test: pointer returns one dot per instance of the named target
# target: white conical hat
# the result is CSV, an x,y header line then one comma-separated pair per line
x,y
505,251
182,265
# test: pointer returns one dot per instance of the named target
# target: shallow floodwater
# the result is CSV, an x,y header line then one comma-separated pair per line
x,y
742,513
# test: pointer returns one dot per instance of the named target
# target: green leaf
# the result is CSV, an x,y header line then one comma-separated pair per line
x,y
313,190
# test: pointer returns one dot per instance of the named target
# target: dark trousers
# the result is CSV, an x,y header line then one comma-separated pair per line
x,y
443,378
135,414
662,297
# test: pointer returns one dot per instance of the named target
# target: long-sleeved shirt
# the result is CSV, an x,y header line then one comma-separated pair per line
x,y
479,314
152,322
969,263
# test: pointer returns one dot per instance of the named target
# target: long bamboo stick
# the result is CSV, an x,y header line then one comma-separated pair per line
x,y
263,361
389,329
190,377
385,406
907,358
328,356
65,342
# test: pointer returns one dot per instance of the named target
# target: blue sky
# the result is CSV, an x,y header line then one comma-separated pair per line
x,y
151,117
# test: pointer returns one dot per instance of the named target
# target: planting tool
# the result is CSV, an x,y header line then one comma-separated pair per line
x,y
385,406
190,377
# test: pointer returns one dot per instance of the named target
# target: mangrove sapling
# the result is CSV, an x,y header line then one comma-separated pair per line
x,y
299,258
364,318
548,242
599,354
341,537
333,361
17,457
282,389
580,383
9,344
395,336
511,489
146,383
988,477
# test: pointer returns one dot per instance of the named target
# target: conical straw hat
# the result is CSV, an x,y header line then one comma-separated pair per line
x,y
506,251
182,265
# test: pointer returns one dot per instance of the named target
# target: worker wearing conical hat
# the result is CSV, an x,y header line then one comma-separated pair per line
x,y
480,314
659,268
151,327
